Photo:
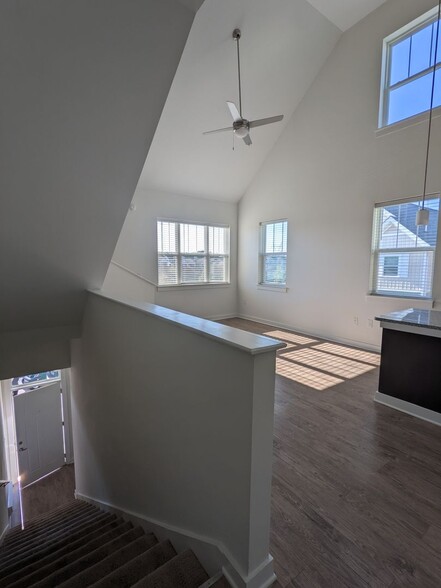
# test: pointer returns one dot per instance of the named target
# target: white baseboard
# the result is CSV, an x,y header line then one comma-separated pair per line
x,y
212,554
326,336
413,409
220,317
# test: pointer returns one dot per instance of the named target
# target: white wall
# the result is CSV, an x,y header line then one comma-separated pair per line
x,y
4,519
137,247
324,175
177,426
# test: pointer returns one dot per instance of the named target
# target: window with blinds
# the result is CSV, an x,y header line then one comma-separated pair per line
x,y
402,253
191,253
408,61
273,251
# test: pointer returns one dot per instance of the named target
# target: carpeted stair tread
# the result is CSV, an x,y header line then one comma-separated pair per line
x,y
45,525
61,572
46,517
137,568
183,571
42,542
52,534
79,545
113,562
88,538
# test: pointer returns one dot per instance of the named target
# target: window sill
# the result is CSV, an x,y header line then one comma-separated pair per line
x,y
192,287
417,301
272,287
418,119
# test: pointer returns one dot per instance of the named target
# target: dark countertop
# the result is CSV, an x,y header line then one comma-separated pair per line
x,y
429,319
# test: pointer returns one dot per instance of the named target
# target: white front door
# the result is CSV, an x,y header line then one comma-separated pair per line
x,y
38,421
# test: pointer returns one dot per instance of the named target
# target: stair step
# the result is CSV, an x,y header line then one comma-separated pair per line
x,y
42,526
183,571
91,534
62,572
114,562
52,539
137,568
52,532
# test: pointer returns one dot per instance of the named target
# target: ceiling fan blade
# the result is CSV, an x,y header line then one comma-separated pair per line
x,y
247,140
217,131
265,121
234,112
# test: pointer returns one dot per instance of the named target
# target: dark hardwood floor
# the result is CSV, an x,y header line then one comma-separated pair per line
x,y
356,485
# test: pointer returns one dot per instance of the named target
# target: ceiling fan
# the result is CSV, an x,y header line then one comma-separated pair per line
x,y
241,126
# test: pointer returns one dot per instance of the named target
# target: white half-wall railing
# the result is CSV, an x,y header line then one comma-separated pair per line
x,y
173,426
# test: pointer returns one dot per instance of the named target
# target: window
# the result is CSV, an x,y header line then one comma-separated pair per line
x,y
408,59
190,253
402,253
273,249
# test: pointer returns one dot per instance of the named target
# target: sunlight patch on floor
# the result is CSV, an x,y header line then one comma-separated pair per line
x,y
304,375
337,366
290,337
356,354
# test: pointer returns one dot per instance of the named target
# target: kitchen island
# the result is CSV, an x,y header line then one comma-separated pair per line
x,y
410,369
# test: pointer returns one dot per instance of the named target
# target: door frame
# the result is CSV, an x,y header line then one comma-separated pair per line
x,y
9,429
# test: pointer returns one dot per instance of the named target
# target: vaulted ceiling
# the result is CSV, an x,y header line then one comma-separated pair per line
x,y
284,45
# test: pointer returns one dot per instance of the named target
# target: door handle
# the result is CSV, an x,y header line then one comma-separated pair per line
x,y
23,449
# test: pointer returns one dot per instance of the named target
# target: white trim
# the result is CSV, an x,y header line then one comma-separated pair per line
x,y
248,342
406,31
282,289
196,286
221,317
133,273
212,553
344,341
409,408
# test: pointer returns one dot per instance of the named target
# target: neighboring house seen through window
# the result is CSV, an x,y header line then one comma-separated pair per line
x,y
273,250
402,253
191,253
408,59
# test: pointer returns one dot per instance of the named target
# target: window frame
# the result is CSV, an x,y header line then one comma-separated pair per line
x,y
402,34
376,252
263,254
206,255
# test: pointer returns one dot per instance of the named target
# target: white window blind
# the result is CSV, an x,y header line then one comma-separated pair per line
x,y
273,251
402,253
191,253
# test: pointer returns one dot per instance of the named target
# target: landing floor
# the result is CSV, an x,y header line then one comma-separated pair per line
x,y
357,486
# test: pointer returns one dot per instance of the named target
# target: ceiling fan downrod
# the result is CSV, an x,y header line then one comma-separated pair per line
x,y
236,36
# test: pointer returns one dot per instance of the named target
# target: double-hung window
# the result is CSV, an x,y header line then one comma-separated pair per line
x,y
408,60
273,251
402,252
192,253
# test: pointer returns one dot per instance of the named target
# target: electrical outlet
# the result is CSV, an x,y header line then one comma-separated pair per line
x,y
355,320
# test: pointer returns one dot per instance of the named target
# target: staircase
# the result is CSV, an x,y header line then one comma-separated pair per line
x,y
79,545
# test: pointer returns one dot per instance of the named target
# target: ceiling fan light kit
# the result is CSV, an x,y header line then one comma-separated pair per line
x,y
241,126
